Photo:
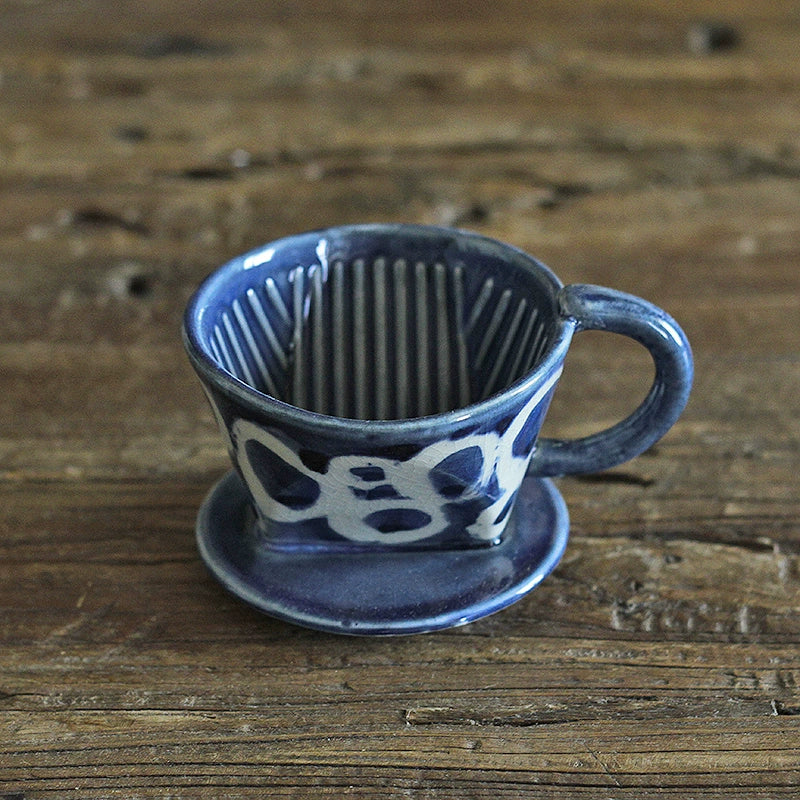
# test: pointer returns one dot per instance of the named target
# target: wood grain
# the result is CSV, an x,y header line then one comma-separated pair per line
x,y
144,144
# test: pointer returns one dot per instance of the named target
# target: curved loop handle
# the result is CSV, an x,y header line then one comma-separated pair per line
x,y
598,308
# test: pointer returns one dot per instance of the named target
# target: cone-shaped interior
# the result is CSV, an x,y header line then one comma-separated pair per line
x,y
383,332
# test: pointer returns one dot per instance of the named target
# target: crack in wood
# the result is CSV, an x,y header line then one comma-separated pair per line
x,y
618,477
97,218
450,716
665,164
555,712
710,538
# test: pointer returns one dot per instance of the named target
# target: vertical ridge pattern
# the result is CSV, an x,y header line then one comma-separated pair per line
x,y
252,348
444,372
384,339
359,336
341,390
461,340
422,340
299,384
320,361
509,338
237,349
524,349
380,332
401,311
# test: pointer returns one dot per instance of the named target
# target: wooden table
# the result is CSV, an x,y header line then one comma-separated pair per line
x,y
143,143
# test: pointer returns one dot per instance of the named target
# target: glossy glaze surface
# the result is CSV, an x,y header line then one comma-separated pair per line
x,y
381,389
374,593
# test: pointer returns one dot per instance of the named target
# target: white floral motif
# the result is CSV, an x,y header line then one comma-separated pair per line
x,y
344,490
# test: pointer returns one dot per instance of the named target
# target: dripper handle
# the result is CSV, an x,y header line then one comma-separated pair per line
x,y
598,308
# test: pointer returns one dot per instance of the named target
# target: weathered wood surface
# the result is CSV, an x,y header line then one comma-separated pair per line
x,y
142,145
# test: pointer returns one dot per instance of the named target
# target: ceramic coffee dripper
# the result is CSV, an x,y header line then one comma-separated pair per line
x,y
381,390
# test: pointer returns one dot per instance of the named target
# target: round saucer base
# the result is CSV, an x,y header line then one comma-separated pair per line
x,y
382,593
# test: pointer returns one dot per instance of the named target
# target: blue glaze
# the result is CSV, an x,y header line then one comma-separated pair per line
x,y
453,475
590,307
451,492
369,474
382,388
281,481
361,594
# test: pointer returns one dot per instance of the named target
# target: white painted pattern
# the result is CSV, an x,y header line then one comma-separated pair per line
x,y
347,512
